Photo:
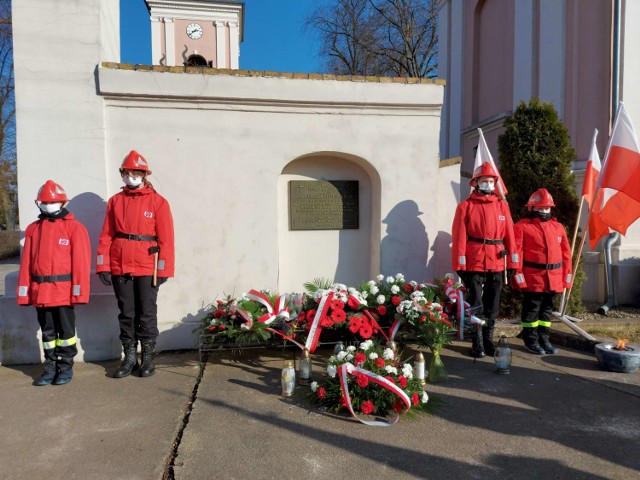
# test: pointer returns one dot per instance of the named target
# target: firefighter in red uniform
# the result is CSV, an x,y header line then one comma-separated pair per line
x,y
482,237
136,256
54,276
546,270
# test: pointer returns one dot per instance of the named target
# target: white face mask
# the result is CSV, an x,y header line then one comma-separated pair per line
x,y
132,182
486,186
50,207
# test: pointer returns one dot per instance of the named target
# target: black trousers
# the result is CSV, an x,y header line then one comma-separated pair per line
x,y
58,325
138,308
537,306
483,289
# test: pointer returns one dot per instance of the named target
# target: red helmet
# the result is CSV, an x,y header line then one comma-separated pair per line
x,y
484,170
135,161
541,199
51,192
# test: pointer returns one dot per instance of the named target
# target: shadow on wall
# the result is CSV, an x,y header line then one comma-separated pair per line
x,y
440,261
184,334
404,248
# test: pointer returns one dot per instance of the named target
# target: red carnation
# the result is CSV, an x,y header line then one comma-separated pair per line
x,y
415,398
382,310
311,314
337,304
422,319
402,381
390,379
380,363
360,358
395,300
221,327
408,287
321,393
212,328
398,406
353,302
338,316
362,380
354,323
367,407
325,321
343,400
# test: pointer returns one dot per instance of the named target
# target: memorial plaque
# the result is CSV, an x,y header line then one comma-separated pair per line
x,y
323,205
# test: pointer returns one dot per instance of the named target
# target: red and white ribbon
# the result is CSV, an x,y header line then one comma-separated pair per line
x,y
244,314
394,328
279,309
315,329
375,324
348,369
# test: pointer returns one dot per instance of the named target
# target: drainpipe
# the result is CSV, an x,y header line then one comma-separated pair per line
x,y
615,98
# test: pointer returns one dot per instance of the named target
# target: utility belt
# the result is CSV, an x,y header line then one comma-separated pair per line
x,y
543,266
133,236
51,278
486,241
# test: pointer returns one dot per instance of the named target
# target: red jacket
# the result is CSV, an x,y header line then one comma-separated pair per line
x,y
55,247
542,243
136,212
483,217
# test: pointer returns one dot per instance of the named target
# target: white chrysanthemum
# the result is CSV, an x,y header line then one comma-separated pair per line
x,y
363,302
352,290
341,296
331,371
373,355
364,294
407,371
366,345
399,276
214,321
380,299
351,348
314,386
374,290
425,397
371,283
388,354
349,357
341,355
391,369
413,283
332,359
395,289
390,279
380,277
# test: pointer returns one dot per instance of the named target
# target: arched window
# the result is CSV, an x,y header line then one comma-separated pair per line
x,y
196,61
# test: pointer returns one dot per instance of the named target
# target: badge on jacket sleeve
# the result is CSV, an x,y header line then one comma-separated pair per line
x,y
63,241
502,218
148,214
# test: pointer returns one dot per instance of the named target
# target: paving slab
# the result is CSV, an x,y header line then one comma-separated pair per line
x,y
96,427
553,417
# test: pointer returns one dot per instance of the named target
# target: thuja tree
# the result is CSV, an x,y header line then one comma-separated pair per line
x,y
535,152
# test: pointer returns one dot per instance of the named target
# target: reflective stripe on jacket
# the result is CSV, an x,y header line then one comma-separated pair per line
x,y
542,243
138,212
55,247
482,217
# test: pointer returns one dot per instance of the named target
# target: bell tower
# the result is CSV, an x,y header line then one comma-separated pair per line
x,y
196,32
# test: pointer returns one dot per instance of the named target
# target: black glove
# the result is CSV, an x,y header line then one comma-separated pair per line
x,y
105,278
161,280
510,273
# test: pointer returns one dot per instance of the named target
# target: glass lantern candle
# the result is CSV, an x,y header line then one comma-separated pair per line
x,y
502,357
304,372
338,348
288,378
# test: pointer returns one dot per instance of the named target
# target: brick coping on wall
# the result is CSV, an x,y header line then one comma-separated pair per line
x,y
269,74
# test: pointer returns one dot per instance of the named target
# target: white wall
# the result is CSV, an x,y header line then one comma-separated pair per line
x,y
218,146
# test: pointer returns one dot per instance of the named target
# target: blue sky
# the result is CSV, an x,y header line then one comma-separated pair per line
x,y
274,37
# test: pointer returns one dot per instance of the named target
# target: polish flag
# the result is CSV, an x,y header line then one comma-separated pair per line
x,y
596,228
617,203
483,155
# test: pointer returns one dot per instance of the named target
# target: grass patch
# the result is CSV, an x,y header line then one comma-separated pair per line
x,y
9,244
630,332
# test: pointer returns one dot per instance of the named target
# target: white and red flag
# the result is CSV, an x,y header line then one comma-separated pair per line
x,y
483,155
617,202
596,228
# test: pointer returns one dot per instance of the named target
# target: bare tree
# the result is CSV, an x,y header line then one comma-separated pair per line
x,y
8,181
378,37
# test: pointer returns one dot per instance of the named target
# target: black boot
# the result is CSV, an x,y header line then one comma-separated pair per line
x,y
543,340
130,361
487,337
477,347
530,337
49,369
147,368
